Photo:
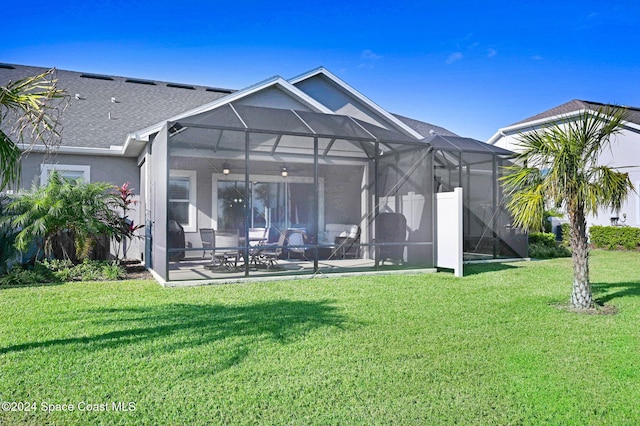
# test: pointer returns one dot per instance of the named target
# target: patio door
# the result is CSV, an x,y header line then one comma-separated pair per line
x,y
274,205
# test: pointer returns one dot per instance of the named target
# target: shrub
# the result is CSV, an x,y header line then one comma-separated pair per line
x,y
112,272
89,270
22,276
543,245
614,237
566,234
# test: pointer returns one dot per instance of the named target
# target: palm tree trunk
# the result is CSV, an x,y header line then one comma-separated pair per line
x,y
581,297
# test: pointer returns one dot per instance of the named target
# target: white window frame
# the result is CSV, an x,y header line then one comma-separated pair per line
x,y
192,226
46,169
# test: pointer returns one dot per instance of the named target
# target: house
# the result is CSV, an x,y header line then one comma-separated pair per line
x,y
624,153
330,181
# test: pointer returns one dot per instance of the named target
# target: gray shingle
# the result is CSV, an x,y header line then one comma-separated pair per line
x,y
95,121
576,105
425,129
108,108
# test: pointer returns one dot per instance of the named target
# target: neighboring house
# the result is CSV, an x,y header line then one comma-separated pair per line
x,y
624,153
309,156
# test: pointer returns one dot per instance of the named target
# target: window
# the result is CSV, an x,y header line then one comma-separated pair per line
x,y
182,198
67,171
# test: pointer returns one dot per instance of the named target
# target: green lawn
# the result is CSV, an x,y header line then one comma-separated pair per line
x,y
490,348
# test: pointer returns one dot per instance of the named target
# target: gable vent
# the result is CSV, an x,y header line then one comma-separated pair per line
x,y
137,81
96,76
180,86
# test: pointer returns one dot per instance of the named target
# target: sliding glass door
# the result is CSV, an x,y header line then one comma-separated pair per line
x,y
274,205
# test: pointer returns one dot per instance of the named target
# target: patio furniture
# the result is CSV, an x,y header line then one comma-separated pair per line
x,y
207,235
258,236
226,247
391,233
347,244
269,254
295,240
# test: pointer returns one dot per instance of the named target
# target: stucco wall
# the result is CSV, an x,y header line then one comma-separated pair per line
x,y
115,170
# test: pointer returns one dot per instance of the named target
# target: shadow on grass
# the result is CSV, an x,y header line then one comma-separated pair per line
x,y
168,328
481,268
612,291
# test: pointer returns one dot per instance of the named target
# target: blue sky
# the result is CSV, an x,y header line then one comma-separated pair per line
x,y
469,66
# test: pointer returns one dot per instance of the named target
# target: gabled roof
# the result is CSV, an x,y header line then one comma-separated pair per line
x,y
375,108
565,110
275,81
579,105
106,112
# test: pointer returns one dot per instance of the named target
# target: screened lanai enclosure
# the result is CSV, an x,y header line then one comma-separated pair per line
x,y
247,191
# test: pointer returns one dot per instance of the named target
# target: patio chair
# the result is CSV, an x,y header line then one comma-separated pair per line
x,y
296,237
347,245
257,236
226,244
271,253
391,234
207,235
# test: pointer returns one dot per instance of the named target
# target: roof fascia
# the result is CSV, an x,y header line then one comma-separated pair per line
x,y
359,96
114,150
271,82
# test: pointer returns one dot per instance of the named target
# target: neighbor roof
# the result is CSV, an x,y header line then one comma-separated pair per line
x,y
579,105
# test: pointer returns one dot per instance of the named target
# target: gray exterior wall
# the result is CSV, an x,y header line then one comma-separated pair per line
x,y
272,98
115,170
337,101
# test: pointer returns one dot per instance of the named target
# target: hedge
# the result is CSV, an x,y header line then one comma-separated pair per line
x,y
614,237
543,245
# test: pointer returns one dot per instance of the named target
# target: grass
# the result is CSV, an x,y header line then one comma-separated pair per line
x,y
490,348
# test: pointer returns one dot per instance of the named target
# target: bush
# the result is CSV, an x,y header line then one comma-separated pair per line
x,y
566,234
614,237
58,271
21,276
89,270
543,245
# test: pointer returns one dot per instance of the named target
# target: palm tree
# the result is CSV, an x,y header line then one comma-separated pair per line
x,y
65,216
559,165
27,115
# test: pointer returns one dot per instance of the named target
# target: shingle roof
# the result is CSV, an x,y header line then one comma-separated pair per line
x,y
104,109
108,108
425,129
461,144
577,105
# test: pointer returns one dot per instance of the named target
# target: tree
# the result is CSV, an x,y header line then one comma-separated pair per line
x,y
64,211
28,114
559,165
